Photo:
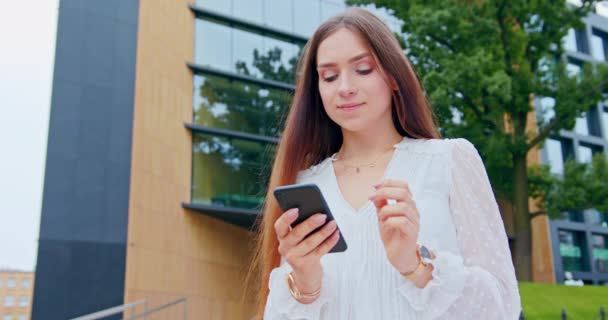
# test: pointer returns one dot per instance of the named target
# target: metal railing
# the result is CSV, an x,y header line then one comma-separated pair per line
x,y
125,307
112,311
164,306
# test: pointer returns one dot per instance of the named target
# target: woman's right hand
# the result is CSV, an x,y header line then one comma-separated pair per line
x,y
304,255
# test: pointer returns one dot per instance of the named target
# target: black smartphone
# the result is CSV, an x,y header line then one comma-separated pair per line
x,y
309,200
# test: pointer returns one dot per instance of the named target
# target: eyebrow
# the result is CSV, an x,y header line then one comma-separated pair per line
x,y
355,58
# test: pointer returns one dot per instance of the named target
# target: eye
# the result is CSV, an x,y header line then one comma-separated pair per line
x,y
364,71
330,77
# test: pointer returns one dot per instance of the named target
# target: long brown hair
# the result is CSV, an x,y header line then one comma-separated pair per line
x,y
311,136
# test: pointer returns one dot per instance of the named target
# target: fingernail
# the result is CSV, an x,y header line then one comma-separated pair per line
x,y
377,185
292,214
320,219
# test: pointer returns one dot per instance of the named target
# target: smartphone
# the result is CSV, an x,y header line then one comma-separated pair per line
x,y
309,200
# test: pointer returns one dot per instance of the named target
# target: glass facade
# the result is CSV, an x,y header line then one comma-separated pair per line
x,y
572,250
220,102
231,167
600,252
245,56
226,48
278,14
579,236
229,172
599,44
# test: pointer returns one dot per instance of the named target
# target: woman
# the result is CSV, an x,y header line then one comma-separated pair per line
x,y
425,238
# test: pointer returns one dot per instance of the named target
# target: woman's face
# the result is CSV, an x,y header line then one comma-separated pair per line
x,y
353,91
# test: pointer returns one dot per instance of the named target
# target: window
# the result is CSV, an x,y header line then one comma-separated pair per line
x,y
7,317
576,40
570,40
244,52
26,283
605,122
599,245
229,172
599,44
558,151
11,283
229,104
308,17
596,218
586,152
574,67
330,8
572,250
24,301
9,301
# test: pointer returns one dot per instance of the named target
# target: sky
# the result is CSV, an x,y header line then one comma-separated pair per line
x,y
27,51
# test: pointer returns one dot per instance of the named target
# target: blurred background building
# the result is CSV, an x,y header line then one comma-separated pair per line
x,y
164,119
580,239
16,291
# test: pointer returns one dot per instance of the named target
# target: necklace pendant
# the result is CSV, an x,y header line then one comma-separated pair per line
x,y
357,169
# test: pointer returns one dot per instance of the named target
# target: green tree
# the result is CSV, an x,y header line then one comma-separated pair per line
x,y
482,63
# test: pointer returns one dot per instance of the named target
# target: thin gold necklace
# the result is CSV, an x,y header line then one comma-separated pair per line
x,y
367,165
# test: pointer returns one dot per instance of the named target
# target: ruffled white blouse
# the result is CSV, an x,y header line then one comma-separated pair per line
x,y
473,276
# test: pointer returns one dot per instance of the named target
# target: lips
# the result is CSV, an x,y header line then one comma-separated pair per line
x,y
350,106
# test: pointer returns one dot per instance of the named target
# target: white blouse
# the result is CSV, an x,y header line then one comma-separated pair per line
x,y
473,276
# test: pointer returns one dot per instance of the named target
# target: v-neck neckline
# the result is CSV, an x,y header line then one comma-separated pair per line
x,y
368,203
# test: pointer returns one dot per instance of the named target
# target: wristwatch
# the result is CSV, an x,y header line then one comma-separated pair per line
x,y
424,256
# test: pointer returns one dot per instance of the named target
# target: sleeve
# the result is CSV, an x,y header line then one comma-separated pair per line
x,y
281,305
481,283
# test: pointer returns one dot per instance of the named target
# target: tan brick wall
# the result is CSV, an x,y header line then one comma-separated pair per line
x,y
172,252
17,292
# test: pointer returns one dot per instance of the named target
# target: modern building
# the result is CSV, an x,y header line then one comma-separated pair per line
x,y
580,239
16,291
164,117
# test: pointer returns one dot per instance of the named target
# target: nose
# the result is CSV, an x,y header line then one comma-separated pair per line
x,y
347,88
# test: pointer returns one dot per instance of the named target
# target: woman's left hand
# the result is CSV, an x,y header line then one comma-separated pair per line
x,y
398,222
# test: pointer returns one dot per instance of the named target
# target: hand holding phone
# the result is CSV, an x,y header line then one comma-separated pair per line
x,y
309,201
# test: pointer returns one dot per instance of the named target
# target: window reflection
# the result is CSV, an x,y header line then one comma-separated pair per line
x,y
229,172
221,6
245,52
250,10
572,250
330,8
600,252
212,45
555,155
596,218
605,123
582,125
570,41
223,103
279,14
599,44
308,16
586,153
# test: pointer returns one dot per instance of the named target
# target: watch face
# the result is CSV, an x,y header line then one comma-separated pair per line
x,y
425,253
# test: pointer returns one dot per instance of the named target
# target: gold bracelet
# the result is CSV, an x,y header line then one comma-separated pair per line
x,y
295,292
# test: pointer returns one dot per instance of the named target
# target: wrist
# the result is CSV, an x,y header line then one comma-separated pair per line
x,y
423,271
302,292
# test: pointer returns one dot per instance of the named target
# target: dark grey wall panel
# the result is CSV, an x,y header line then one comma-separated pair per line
x,y
83,231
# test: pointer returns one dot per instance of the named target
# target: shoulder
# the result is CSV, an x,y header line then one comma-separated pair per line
x,y
442,147
312,171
